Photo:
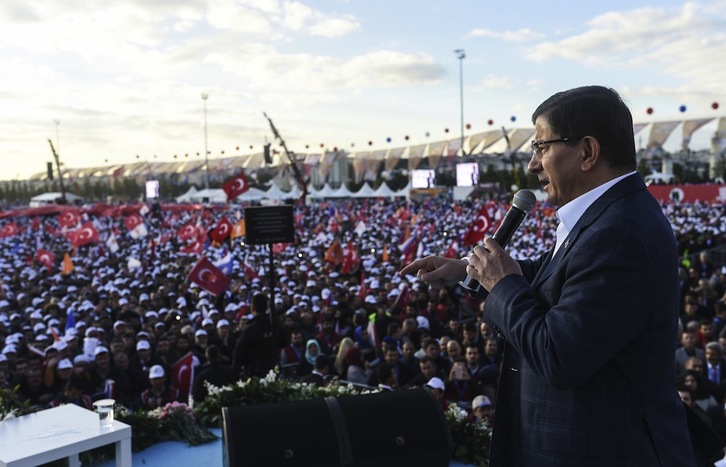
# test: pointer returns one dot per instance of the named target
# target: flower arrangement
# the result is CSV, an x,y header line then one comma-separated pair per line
x,y
11,406
178,422
271,388
471,437
173,422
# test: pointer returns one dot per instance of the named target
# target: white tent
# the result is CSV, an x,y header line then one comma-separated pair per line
x,y
253,194
274,192
53,197
207,195
365,192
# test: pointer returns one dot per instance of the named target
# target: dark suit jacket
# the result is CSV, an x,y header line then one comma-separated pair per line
x,y
314,378
587,377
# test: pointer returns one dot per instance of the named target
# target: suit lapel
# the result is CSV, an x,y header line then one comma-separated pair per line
x,y
620,189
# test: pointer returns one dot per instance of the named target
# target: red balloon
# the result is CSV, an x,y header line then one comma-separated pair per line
x,y
406,137
251,146
446,130
714,106
468,126
370,143
322,145
649,110
490,122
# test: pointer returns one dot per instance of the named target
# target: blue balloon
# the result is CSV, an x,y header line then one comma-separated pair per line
x,y
513,118
388,140
682,108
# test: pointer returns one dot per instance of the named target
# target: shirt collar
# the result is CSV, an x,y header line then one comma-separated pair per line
x,y
571,212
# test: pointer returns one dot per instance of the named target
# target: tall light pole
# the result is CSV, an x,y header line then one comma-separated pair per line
x,y
205,95
57,135
461,55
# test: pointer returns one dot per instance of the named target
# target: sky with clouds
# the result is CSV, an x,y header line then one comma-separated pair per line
x,y
110,81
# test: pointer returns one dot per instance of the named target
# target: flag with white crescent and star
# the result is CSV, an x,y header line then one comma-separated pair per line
x,y
46,258
235,186
222,230
208,276
84,235
182,376
478,229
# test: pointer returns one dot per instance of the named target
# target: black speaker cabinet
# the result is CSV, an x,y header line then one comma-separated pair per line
x,y
282,434
397,428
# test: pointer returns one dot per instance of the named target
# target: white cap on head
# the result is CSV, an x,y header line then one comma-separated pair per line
x,y
156,371
436,383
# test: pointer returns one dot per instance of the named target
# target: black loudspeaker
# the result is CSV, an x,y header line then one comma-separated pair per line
x,y
396,428
282,434
50,170
266,154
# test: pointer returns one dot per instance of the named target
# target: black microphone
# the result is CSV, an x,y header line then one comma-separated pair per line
x,y
523,202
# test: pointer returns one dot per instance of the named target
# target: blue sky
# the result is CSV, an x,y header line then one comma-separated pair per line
x,y
125,78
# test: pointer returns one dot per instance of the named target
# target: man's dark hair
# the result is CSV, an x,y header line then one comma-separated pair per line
x,y
259,303
384,371
426,359
212,353
322,362
594,111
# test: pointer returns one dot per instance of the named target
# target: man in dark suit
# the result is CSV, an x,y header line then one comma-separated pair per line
x,y
590,327
319,375
255,352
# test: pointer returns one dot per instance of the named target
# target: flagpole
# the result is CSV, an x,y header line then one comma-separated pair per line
x,y
271,304
461,55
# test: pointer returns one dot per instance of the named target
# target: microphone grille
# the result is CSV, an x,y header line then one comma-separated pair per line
x,y
524,200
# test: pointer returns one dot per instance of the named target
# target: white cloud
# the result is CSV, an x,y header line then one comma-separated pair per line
x,y
520,35
684,43
497,82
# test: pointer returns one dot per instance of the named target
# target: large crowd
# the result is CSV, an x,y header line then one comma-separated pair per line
x,y
115,324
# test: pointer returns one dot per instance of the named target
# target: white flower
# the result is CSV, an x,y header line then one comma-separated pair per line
x,y
271,377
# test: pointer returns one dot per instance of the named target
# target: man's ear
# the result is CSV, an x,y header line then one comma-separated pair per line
x,y
590,153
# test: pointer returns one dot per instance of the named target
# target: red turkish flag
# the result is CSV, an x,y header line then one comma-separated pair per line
x,y
278,248
132,221
9,230
478,229
351,261
453,251
46,258
250,273
208,276
68,219
187,231
86,234
182,375
194,247
222,230
235,186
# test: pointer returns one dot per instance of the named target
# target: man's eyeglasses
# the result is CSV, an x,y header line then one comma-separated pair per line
x,y
535,145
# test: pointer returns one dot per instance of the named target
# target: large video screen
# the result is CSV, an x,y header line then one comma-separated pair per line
x,y
152,189
467,174
423,178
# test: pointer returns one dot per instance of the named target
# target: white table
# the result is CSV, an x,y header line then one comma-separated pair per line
x,y
60,432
